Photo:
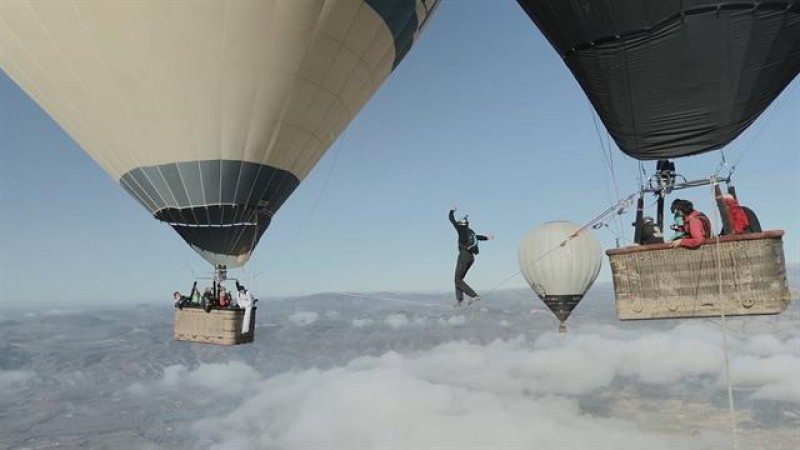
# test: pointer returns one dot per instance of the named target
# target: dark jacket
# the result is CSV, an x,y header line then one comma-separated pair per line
x,y
651,234
754,225
467,239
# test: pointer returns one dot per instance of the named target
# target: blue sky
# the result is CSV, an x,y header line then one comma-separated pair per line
x,y
481,114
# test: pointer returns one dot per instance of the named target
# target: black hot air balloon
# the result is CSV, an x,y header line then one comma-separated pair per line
x,y
673,78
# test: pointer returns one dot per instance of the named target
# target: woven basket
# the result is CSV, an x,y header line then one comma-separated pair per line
x,y
220,326
660,282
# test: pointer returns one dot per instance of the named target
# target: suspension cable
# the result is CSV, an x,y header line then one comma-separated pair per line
x,y
723,163
608,157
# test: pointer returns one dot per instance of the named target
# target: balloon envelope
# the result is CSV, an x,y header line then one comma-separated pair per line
x,y
671,78
209,113
560,265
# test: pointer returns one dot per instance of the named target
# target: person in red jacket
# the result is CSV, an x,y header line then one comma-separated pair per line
x,y
739,221
697,225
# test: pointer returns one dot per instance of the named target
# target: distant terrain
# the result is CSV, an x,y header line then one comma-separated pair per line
x,y
381,370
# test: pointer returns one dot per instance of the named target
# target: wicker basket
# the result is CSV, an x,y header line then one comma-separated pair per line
x,y
660,282
220,326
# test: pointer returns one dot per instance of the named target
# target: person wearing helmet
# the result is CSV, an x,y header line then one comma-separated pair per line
x,y
467,249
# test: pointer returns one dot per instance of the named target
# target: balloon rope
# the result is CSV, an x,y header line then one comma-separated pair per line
x,y
620,204
336,152
723,325
387,299
618,207
506,280
608,156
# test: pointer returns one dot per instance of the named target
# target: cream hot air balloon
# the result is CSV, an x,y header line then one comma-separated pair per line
x,y
209,113
560,261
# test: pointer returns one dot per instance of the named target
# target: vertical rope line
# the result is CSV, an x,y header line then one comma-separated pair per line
x,y
724,326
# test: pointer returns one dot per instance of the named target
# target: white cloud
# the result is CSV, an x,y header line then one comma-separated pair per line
x,y
56,312
59,312
227,379
766,344
137,390
360,323
10,379
453,320
517,393
774,377
396,320
304,318
457,395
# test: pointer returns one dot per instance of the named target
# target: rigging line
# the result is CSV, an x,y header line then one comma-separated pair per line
x,y
238,235
506,280
724,327
723,323
599,136
590,224
336,153
250,270
722,163
548,252
779,103
387,299
608,157
620,222
642,174
621,204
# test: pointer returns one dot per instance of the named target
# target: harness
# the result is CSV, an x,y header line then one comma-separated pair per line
x,y
472,240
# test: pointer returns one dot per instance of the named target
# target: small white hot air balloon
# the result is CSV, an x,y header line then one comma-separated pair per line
x,y
560,262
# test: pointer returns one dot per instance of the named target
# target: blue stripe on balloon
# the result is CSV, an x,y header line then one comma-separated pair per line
x,y
400,16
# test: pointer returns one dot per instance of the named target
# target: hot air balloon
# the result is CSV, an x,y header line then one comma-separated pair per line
x,y
560,261
672,78
208,113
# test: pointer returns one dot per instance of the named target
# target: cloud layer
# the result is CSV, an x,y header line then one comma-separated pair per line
x,y
516,393
11,379
304,318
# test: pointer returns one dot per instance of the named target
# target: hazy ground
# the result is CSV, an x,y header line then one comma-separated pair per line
x,y
398,371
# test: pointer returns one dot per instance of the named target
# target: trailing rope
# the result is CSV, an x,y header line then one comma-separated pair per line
x,y
723,325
